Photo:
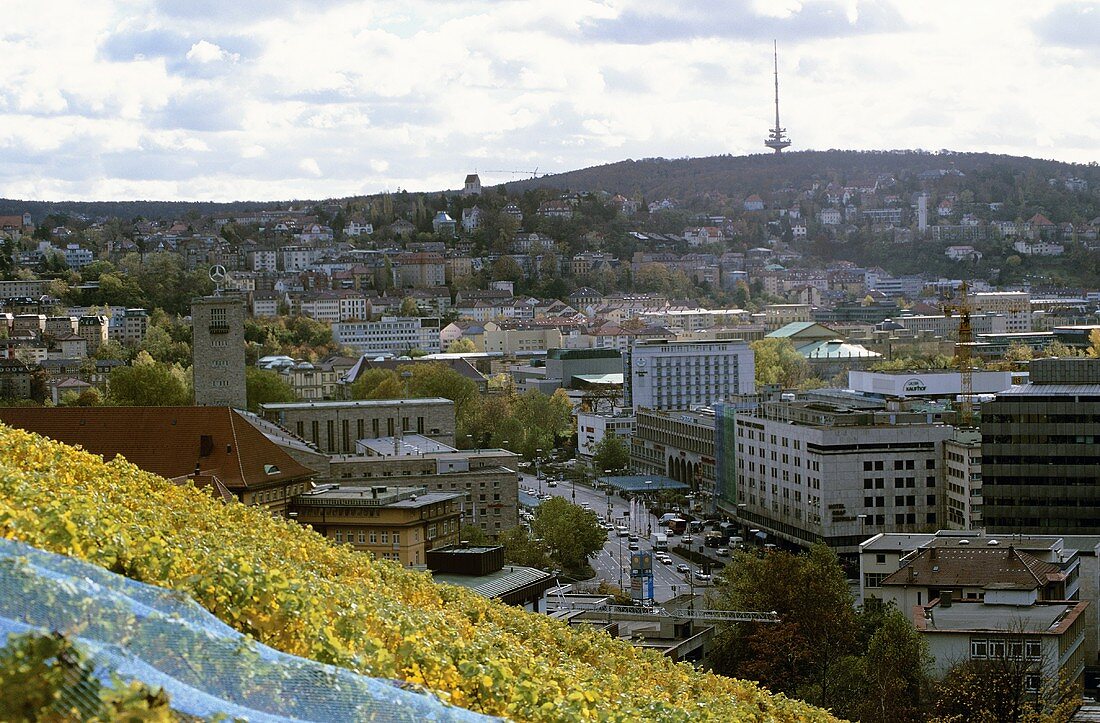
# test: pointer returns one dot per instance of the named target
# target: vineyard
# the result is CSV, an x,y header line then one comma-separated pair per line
x,y
292,590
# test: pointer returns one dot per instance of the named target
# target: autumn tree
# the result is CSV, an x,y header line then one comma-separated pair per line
x,y
463,345
148,383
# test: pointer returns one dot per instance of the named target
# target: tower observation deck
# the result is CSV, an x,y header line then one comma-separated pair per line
x,y
777,138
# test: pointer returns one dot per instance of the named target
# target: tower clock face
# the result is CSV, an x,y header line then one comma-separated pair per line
x,y
640,363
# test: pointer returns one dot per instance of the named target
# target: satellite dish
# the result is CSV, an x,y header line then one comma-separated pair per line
x,y
219,276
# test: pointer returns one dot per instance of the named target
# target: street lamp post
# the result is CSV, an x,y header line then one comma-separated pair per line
x,y
538,455
607,478
648,513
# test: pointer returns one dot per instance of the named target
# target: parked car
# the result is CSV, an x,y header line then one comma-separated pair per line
x,y
723,552
683,567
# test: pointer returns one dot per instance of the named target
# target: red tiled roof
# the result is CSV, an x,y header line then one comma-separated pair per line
x,y
168,441
975,567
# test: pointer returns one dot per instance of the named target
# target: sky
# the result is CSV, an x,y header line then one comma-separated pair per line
x,y
277,99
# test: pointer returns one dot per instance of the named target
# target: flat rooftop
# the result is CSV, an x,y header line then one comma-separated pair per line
x,y
409,445
355,403
980,617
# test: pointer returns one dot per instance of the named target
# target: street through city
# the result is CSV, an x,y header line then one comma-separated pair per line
x,y
613,562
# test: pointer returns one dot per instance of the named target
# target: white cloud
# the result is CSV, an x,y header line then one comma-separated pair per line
x,y
207,52
288,99
309,165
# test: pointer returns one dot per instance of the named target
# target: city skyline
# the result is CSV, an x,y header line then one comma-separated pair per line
x,y
279,100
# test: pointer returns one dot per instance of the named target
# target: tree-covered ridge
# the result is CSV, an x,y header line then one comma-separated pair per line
x,y
293,590
736,177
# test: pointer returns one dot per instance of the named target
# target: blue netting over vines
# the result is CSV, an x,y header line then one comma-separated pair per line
x,y
165,639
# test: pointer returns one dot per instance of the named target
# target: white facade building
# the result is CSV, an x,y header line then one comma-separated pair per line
x,y
592,428
396,335
683,374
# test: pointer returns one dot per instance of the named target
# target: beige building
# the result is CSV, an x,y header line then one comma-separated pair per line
x,y
962,473
93,328
335,426
486,479
394,523
1044,641
1016,305
519,338
776,316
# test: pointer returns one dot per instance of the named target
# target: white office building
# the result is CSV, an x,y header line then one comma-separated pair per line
x,y
593,427
392,335
666,375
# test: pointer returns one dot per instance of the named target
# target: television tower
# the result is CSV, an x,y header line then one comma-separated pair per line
x,y
777,140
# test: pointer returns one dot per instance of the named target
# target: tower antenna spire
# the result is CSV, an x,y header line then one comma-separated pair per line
x,y
777,139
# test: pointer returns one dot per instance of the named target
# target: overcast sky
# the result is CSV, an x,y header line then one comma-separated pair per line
x,y
277,99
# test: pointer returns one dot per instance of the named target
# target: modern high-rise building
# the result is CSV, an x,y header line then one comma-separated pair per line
x,y
1041,452
666,375
218,360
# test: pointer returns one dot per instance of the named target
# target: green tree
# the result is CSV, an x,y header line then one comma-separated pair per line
x,y
149,384
461,346
571,533
474,535
611,453
895,673
435,379
815,638
507,269
520,548
377,384
778,362
265,387
409,307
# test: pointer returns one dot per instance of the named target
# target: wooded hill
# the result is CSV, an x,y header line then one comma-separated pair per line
x,y
695,181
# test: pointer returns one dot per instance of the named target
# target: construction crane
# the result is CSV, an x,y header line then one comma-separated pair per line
x,y
963,348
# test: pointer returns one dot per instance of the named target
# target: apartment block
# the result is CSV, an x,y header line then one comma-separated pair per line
x,y
1014,305
394,335
399,523
962,480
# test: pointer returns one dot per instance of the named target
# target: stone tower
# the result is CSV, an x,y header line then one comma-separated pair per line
x,y
218,351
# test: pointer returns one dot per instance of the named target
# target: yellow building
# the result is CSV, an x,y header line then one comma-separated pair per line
x,y
394,523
